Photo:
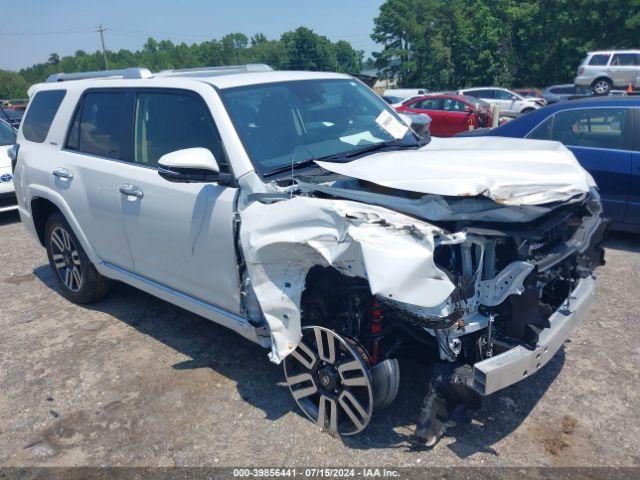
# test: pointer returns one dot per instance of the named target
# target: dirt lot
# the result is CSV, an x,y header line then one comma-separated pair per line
x,y
136,381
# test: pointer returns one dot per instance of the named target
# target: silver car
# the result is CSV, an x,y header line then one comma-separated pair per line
x,y
603,71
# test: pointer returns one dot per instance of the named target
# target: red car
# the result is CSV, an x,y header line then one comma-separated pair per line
x,y
450,114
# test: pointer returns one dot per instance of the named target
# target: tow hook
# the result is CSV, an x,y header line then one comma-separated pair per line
x,y
450,400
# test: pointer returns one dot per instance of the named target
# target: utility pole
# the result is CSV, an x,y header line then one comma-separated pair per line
x,y
101,30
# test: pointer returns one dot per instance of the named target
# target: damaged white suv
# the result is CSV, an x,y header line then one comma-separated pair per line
x,y
297,209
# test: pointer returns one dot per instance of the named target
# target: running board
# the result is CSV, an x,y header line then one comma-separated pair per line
x,y
237,323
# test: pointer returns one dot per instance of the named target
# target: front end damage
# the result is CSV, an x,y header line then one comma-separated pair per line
x,y
347,274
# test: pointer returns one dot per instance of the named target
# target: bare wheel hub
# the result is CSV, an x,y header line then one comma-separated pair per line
x,y
330,381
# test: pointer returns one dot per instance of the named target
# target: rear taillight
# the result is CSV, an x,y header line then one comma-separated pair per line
x,y
580,70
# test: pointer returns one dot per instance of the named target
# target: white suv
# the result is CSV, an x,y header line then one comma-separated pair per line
x,y
296,209
509,102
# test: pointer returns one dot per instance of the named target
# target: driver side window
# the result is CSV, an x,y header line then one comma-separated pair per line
x,y
167,121
593,128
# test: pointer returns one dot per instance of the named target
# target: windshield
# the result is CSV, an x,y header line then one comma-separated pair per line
x,y
7,134
293,122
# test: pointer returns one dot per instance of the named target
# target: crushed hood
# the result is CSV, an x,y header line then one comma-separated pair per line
x,y
508,171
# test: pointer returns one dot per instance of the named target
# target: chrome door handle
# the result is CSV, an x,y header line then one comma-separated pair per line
x,y
131,190
63,173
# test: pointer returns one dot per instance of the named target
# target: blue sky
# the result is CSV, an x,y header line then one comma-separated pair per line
x,y
40,27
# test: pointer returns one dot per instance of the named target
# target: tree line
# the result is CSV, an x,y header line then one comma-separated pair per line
x,y
438,44
442,44
301,49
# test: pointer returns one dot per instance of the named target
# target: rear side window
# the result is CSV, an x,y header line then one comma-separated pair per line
x,y
44,106
99,125
625,60
599,60
593,128
166,122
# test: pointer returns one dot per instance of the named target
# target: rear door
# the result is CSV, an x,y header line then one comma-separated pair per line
x,y
88,173
600,138
433,107
623,69
633,208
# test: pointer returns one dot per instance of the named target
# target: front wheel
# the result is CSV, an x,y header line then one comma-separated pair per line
x,y
78,279
602,86
329,378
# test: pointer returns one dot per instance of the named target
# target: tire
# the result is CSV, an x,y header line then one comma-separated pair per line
x,y
601,86
78,279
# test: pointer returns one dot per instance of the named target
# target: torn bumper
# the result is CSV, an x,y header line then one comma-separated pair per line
x,y
514,365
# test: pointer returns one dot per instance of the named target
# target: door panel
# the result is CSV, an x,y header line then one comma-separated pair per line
x,y
633,208
88,176
94,199
181,235
600,138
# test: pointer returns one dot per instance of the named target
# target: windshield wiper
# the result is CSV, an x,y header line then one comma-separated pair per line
x,y
291,166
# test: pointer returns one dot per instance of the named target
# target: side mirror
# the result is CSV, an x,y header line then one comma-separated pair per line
x,y
191,165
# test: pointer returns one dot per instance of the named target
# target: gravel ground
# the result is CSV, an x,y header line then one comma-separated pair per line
x,y
135,381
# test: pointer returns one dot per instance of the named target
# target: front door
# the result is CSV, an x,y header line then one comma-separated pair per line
x,y
633,208
181,235
456,118
600,138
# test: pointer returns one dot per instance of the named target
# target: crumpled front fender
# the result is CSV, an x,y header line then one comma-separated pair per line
x,y
282,241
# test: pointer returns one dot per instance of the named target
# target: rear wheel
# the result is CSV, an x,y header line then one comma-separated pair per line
x,y
78,279
329,378
601,86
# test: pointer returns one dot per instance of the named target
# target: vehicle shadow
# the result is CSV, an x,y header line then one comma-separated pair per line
x,y
7,218
261,383
629,242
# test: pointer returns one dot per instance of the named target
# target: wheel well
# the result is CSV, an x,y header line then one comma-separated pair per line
x,y
41,210
602,78
328,296
527,110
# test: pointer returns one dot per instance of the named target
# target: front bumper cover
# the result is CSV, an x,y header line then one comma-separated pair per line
x,y
518,363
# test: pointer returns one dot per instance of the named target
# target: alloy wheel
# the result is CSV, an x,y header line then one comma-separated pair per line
x,y
66,259
601,87
330,381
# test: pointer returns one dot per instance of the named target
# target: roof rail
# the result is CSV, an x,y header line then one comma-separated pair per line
x,y
214,71
125,73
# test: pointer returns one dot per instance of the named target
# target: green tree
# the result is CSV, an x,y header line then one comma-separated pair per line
x,y
12,85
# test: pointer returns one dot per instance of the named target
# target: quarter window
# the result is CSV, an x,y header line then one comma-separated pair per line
x,y
594,128
43,108
166,122
542,131
99,125
599,60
